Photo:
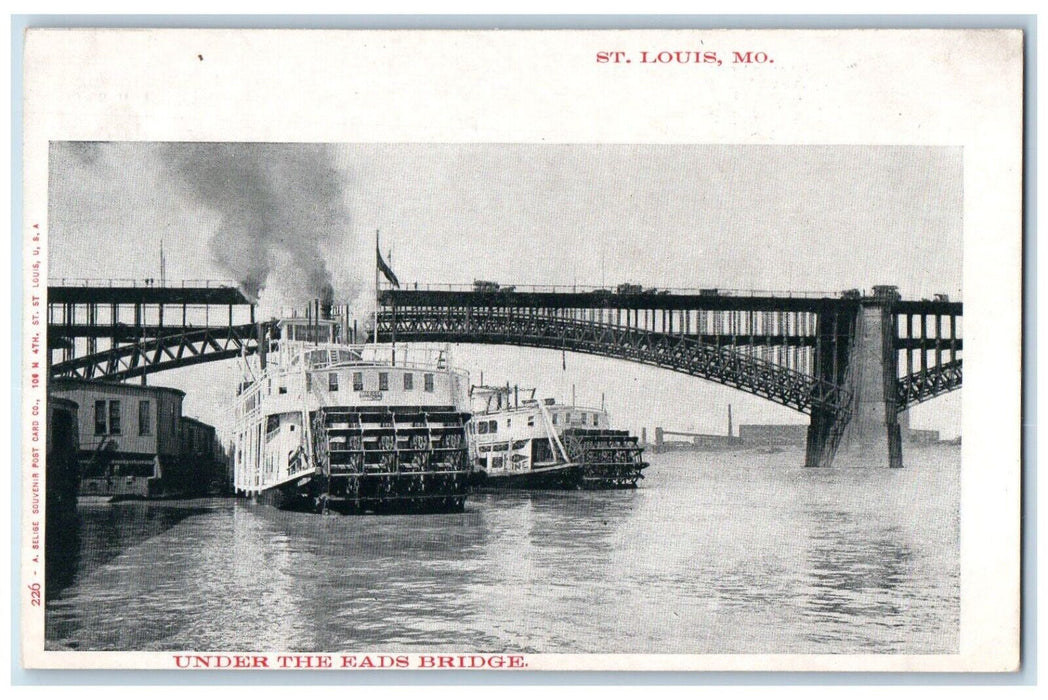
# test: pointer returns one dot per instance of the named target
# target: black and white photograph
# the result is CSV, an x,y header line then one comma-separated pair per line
x,y
488,403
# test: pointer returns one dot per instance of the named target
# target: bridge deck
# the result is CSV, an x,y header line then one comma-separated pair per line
x,y
222,296
603,299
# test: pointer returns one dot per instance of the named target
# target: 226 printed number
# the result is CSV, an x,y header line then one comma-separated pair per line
x,y
34,595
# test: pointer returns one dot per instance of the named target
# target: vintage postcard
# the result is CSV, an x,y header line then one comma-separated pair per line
x,y
522,350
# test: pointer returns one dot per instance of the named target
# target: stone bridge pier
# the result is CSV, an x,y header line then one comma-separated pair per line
x,y
867,433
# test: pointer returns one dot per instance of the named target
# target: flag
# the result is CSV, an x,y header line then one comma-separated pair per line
x,y
385,270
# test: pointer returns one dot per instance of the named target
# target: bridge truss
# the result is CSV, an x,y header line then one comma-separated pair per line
x,y
793,350
797,351
115,333
740,362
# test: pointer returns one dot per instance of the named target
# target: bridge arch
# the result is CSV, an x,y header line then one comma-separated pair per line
x,y
927,384
162,353
723,365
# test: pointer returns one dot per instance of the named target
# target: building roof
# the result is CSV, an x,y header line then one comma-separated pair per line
x,y
195,421
65,384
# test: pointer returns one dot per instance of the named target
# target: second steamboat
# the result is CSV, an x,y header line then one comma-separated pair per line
x,y
540,444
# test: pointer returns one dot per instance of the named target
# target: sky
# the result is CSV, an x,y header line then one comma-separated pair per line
x,y
287,221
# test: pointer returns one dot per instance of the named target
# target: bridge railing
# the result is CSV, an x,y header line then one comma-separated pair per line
x,y
136,282
587,288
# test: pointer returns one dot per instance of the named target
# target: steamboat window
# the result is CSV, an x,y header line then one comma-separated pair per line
x,y
383,381
358,381
482,428
114,417
595,420
427,382
493,426
100,417
531,421
281,389
309,382
509,422
554,419
409,381
145,418
333,381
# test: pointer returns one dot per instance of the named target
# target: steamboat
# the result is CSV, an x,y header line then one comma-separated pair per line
x,y
540,444
321,424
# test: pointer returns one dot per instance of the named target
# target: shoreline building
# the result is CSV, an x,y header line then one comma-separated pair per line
x,y
131,440
205,460
773,434
62,467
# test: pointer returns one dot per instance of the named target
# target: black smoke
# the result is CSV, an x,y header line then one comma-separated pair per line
x,y
278,207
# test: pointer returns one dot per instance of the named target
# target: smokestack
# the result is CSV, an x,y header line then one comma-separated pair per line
x,y
262,343
316,321
730,433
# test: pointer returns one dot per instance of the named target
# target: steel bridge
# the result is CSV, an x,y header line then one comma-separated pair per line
x,y
115,333
851,361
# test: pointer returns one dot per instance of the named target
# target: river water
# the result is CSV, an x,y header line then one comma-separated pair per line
x,y
715,553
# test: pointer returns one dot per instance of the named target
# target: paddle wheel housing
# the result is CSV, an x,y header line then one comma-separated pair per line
x,y
390,459
608,459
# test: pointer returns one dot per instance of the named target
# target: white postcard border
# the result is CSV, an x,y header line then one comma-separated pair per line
x,y
960,87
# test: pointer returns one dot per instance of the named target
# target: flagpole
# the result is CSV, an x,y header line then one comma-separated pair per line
x,y
376,289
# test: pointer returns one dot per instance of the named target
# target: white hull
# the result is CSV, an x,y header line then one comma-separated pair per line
x,y
325,425
543,445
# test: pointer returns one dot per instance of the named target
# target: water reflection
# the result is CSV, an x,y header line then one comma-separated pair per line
x,y
89,541
61,552
855,575
716,553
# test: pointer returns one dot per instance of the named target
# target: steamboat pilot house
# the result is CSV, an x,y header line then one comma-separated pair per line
x,y
322,424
